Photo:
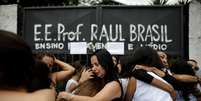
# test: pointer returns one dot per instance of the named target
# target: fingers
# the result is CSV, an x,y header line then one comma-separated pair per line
x,y
86,75
62,96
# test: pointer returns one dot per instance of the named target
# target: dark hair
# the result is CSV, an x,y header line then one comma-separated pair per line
x,y
90,87
43,54
78,67
39,77
196,68
105,60
126,67
193,60
182,67
146,56
15,60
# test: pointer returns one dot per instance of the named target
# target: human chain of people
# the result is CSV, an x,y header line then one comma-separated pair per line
x,y
99,50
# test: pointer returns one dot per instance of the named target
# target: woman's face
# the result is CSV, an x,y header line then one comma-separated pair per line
x,y
163,58
96,67
114,59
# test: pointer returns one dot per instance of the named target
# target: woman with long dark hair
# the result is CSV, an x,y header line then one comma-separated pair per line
x,y
102,67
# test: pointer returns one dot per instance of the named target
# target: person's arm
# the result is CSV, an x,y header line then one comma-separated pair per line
x,y
85,75
186,78
164,86
142,75
66,72
106,94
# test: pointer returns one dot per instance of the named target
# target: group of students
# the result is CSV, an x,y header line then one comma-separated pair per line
x,y
144,75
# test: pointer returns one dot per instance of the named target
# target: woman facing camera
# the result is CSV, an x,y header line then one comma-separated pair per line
x,y
102,67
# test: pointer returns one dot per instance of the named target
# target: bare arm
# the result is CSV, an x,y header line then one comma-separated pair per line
x,y
85,75
157,83
161,85
43,95
39,95
67,71
106,94
185,78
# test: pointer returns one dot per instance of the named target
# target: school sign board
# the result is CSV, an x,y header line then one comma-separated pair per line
x,y
120,29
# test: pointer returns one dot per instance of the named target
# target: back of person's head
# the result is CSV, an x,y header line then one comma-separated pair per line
x,y
182,67
105,60
47,58
78,68
146,56
193,63
43,54
39,77
90,87
15,60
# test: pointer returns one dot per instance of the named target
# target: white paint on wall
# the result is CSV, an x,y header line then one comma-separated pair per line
x,y
8,18
195,32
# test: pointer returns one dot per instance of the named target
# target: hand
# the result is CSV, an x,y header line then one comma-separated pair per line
x,y
86,75
64,96
158,72
146,68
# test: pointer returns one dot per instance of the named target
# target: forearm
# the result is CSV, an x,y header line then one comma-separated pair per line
x,y
185,78
65,73
162,85
64,66
175,83
63,96
82,98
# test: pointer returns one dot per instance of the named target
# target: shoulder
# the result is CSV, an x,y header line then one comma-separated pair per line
x,y
114,85
43,95
40,95
111,90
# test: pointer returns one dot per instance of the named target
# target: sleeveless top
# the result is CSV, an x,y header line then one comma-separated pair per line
x,y
147,92
121,97
124,83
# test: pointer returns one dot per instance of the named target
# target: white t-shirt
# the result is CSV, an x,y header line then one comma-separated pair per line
x,y
147,92
69,83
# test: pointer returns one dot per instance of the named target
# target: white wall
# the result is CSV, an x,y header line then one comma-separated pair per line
x,y
195,32
8,17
